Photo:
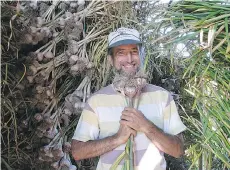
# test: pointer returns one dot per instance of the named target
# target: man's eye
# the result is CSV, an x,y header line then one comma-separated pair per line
x,y
135,52
120,53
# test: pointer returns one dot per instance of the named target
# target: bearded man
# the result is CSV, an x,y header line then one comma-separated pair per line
x,y
107,123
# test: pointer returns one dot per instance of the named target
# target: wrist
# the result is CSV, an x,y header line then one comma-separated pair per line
x,y
148,126
117,140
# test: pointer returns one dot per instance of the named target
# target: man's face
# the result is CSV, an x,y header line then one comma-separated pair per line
x,y
126,58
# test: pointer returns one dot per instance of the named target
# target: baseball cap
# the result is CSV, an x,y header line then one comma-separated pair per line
x,y
123,36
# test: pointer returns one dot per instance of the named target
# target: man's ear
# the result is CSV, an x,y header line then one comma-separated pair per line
x,y
110,60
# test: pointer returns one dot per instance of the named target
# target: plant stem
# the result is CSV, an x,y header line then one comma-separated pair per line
x,y
131,138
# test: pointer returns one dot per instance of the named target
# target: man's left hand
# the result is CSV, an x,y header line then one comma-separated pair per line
x,y
134,119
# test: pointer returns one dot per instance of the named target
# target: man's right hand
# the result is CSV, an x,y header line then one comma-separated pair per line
x,y
124,133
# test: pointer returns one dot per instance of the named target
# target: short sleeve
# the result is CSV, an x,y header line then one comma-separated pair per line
x,y
172,121
87,127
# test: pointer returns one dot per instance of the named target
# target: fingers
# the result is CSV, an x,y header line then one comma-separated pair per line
x,y
127,123
127,118
133,132
129,111
129,129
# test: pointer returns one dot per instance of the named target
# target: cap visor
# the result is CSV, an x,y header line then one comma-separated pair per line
x,y
124,42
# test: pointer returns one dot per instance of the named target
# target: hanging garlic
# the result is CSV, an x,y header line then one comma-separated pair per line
x,y
51,133
30,79
40,22
81,2
65,162
49,93
73,59
46,31
39,89
33,29
62,22
55,165
28,39
67,147
39,36
69,14
67,112
65,119
38,117
72,167
73,4
40,56
49,55
33,69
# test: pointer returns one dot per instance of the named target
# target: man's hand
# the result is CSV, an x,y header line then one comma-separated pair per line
x,y
134,119
170,144
124,133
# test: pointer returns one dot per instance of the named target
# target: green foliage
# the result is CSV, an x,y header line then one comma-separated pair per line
x,y
207,76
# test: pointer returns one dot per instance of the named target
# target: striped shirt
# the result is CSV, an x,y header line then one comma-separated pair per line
x,y
100,118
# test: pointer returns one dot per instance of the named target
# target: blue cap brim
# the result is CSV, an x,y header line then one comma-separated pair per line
x,y
124,42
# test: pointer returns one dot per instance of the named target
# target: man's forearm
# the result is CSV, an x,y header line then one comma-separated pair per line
x,y
90,149
169,144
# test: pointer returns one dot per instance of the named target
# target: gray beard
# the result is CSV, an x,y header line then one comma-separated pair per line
x,y
123,80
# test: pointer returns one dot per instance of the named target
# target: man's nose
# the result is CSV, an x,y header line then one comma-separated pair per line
x,y
129,57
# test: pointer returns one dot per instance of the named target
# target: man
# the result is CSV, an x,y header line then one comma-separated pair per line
x,y
106,122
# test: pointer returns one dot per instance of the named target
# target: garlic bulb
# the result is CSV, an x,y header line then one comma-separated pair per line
x,y
28,39
67,112
65,162
72,167
75,68
69,14
73,4
73,46
46,31
49,55
39,36
33,69
40,56
38,117
73,59
67,147
81,2
49,93
51,133
20,86
55,165
30,79
33,29
89,65
40,22
130,91
79,106
62,22
65,119
39,89
39,133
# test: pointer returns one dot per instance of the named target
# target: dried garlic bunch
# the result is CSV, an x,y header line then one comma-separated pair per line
x,y
130,86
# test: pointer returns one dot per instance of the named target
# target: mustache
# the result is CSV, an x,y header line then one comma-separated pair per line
x,y
125,62
122,73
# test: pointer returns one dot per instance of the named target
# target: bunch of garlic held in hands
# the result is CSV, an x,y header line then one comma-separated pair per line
x,y
130,86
